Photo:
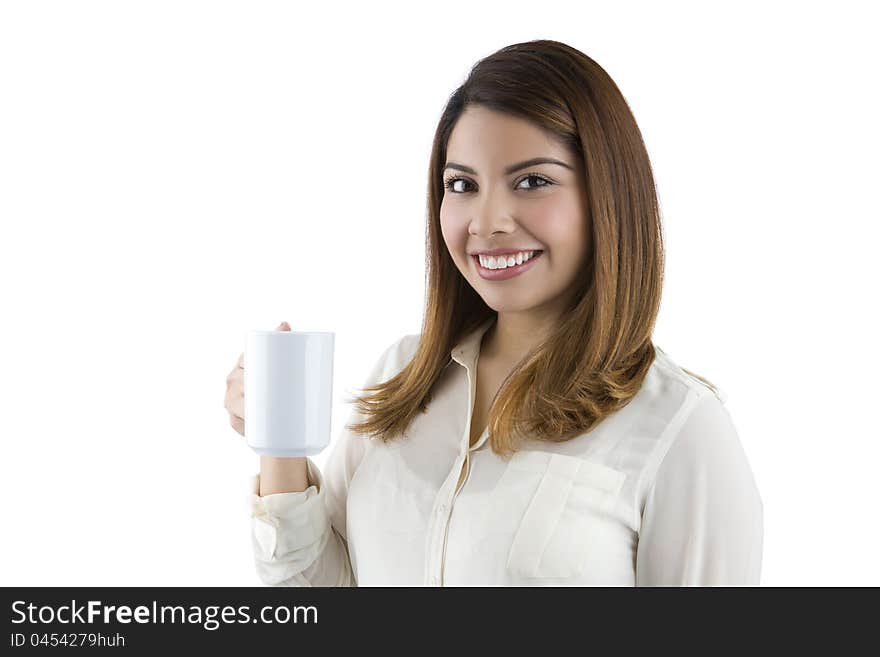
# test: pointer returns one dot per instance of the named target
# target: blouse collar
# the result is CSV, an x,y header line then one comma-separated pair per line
x,y
467,349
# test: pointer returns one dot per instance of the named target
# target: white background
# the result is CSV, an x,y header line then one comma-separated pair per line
x,y
173,174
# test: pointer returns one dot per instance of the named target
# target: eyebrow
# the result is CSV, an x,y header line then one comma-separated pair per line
x,y
512,167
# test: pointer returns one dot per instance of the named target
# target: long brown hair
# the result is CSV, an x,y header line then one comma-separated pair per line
x,y
594,361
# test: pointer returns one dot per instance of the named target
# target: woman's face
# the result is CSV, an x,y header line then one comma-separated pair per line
x,y
488,206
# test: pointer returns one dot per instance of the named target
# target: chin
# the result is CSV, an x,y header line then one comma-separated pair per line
x,y
508,306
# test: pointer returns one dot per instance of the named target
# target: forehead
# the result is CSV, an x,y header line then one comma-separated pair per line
x,y
483,135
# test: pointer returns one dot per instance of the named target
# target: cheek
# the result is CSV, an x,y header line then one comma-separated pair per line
x,y
454,233
562,227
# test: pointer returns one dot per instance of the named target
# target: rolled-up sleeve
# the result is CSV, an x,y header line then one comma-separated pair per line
x,y
293,541
702,521
300,538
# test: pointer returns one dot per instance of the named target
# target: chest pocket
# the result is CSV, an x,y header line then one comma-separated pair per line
x,y
568,510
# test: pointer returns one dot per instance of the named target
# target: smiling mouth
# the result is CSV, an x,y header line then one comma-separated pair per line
x,y
535,254
505,272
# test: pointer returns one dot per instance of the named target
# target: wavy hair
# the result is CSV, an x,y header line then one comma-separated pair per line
x,y
595,359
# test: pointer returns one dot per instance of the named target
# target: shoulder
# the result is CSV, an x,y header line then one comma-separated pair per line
x,y
676,406
667,395
664,366
685,401
701,442
396,356
705,440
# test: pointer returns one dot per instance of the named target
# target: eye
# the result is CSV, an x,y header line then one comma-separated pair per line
x,y
449,183
535,176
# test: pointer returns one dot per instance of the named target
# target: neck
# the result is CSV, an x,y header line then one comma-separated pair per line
x,y
513,334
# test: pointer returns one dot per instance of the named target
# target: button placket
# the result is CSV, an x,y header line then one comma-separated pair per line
x,y
438,535
450,489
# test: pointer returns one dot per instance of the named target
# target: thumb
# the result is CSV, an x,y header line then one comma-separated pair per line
x,y
283,326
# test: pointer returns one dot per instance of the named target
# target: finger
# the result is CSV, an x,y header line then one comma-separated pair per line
x,y
241,361
233,402
236,405
237,424
283,326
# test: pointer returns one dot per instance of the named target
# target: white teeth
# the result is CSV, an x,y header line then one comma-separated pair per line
x,y
508,260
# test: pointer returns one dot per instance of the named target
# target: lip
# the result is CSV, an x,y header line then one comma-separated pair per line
x,y
498,252
503,274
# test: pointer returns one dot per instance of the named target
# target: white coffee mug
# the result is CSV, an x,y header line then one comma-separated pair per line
x,y
288,391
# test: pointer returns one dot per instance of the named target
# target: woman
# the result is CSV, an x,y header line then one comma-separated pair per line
x,y
531,434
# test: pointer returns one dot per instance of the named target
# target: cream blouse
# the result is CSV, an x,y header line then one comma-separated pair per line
x,y
659,493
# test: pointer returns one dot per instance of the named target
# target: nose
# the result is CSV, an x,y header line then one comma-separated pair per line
x,y
490,216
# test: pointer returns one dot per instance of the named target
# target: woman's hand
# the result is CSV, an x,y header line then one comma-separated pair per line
x,y
234,400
